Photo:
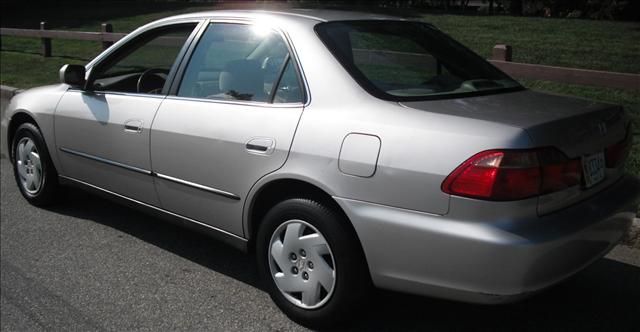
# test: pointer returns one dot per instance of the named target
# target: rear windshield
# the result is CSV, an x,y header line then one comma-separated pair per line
x,y
404,61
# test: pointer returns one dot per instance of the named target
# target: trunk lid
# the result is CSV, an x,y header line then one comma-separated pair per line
x,y
577,127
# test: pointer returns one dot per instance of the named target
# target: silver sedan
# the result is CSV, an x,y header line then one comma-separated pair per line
x,y
346,150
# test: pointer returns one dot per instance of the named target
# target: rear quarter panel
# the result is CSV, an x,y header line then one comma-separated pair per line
x,y
418,148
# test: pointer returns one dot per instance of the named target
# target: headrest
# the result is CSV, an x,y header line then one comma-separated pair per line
x,y
243,80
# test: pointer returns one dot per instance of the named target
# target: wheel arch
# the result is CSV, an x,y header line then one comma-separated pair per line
x,y
18,118
277,190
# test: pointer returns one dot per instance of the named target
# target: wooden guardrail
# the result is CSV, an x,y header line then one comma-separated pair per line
x,y
106,36
501,58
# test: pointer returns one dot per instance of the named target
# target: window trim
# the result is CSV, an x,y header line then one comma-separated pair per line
x,y
292,56
276,83
132,38
374,91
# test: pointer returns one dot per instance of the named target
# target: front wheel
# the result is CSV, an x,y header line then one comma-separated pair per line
x,y
311,262
34,172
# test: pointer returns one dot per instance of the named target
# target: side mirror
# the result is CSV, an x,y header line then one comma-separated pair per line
x,y
72,75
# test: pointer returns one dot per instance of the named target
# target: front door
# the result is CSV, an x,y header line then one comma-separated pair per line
x,y
102,133
230,121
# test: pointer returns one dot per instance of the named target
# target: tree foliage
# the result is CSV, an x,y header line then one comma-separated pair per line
x,y
592,9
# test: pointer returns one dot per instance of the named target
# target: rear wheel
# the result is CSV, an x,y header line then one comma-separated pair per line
x,y
311,263
34,172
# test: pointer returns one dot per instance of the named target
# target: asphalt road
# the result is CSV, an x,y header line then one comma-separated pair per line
x,y
88,264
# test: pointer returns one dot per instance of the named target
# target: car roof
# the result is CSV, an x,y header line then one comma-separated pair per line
x,y
312,15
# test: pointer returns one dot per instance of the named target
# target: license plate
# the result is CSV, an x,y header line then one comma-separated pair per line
x,y
593,168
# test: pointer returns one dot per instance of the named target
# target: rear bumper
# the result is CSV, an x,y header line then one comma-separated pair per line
x,y
489,261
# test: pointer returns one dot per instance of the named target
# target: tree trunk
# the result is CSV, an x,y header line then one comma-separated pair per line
x,y
516,7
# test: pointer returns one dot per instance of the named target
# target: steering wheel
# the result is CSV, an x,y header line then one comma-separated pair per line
x,y
150,81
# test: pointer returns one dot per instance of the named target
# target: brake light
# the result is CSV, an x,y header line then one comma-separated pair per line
x,y
617,153
504,175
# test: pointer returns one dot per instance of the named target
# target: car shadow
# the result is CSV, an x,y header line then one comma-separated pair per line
x,y
181,241
605,296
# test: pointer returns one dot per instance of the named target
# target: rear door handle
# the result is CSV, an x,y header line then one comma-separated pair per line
x,y
261,145
133,126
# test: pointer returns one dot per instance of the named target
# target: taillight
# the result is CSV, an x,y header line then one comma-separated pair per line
x,y
558,171
617,153
504,175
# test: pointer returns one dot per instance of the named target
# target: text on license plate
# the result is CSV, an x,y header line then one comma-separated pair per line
x,y
593,168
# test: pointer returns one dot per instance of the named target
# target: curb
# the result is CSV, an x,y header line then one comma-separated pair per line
x,y
632,239
6,92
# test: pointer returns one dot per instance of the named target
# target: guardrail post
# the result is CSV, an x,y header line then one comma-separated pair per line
x,y
106,28
46,42
502,52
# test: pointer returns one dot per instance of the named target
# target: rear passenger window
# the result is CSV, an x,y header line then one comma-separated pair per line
x,y
289,90
238,62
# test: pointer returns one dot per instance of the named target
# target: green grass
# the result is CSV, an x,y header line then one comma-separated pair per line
x,y
630,100
21,64
600,45
125,16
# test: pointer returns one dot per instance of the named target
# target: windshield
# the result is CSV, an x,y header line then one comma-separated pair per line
x,y
403,61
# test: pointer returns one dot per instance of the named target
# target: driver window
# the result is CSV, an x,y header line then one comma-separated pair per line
x,y
142,66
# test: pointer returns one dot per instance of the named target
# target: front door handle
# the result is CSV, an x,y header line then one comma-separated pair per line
x,y
133,126
261,145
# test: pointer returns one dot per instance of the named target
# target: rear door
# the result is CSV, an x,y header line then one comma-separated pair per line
x,y
230,120
102,133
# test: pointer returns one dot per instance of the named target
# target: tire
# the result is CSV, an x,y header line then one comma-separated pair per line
x,y
321,303
33,170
